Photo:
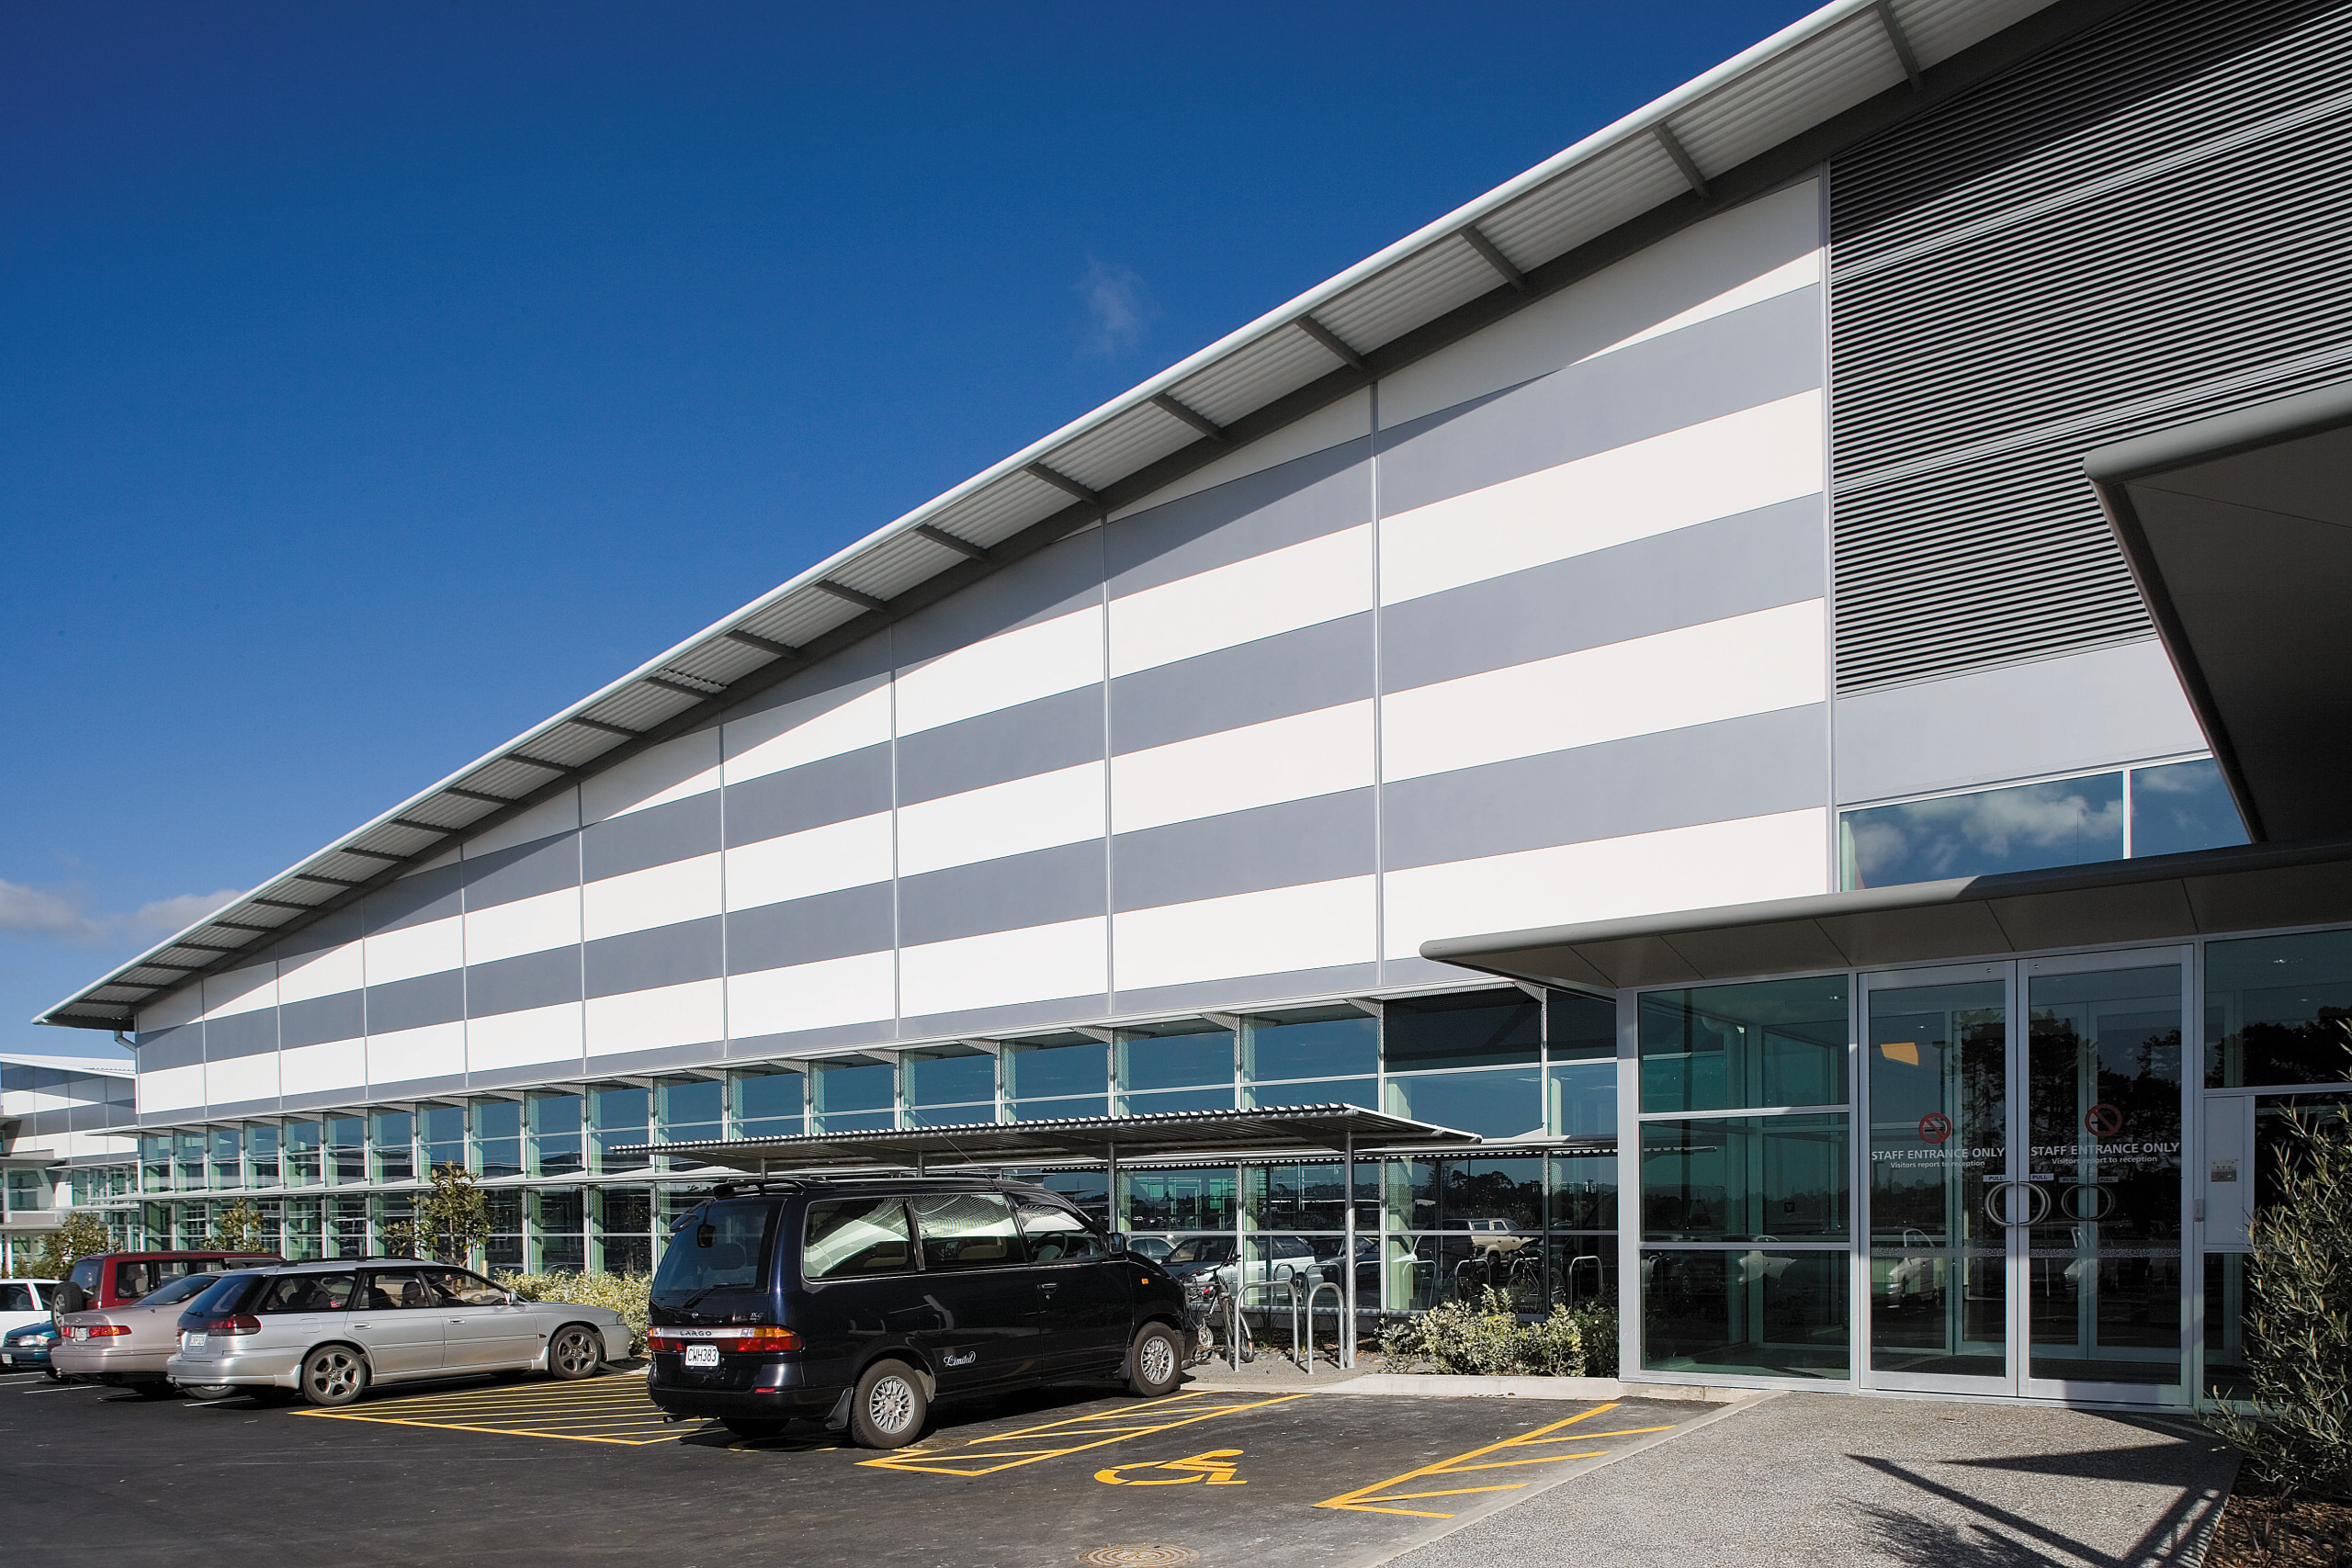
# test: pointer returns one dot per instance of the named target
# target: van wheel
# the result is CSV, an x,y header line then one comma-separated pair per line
x,y
1155,1362
887,1410
333,1374
575,1352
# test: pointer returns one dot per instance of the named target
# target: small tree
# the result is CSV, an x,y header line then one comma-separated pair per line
x,y
451,1218
83,1234
2298,1438
237,1228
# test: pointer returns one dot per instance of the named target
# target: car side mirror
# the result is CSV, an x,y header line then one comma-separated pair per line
x,y
512,1300
1117,1242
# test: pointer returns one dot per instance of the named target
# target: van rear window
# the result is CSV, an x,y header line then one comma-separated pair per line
x,y
854,1236
718,1245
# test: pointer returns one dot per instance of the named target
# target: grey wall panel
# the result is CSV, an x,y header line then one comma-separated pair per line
x,y
413,899
1298,842
1292,673
985,1023
247,1034
832,789
173,1047
448,1085
1035,889
841,677
803,930
342,1016
666,955
1754,355
1307,497
1708,773
526,871
524,1077
2054,715
230,1110
527,980
699,1055
659,835
412,1004
769,1048
1730,567
1059,731
329,932
1056,581
1246,990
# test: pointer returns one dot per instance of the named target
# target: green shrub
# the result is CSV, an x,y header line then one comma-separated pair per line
x,y
625,1293
1488,1339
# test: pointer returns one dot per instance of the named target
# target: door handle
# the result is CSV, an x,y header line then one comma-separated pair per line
x,y
1995,1204
1050,1286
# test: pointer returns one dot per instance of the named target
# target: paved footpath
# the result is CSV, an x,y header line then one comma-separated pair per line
x,y
1831,1480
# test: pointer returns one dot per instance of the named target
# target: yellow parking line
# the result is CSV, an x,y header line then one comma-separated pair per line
x,y
619,1412
498,1431
959,1461
1369,1499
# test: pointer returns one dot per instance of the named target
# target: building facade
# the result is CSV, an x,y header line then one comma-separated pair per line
x,y
66,1134
1699,521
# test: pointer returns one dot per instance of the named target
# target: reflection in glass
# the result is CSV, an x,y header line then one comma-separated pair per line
x,y
303,1142
498,1137
856,1096
555,1135
2279,1010
2019,827
1583,1099
1744,1047
1743,1178
392,1134
1321,1091
559,1217
1500,1103
1476,1029
441,1136
954,1075
1081,1066
1761,1312
1201,1200
347,1148
623,1226
1056,1109
1345,1044
2180,806
620,1119
1307,1197
1176,1099
1189,1053
765,1104
1584,1193
261,1156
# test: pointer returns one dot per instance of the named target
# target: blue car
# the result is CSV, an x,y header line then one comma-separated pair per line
x,y
27,1350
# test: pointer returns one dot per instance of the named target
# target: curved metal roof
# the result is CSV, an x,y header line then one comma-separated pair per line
x,y
1700,147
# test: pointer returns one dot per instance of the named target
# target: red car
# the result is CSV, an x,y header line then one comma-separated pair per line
x,y
121,1279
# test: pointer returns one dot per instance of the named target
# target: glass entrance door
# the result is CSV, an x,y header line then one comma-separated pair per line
x,y
2025,1185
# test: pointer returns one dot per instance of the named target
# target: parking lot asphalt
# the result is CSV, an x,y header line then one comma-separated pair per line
x,y
588,1472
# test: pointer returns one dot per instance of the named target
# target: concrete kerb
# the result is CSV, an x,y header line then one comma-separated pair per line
x,y
1419,1385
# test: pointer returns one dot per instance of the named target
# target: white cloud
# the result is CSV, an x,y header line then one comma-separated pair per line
x,y
63,914
1117,310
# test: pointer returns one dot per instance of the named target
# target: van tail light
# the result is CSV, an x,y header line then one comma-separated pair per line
x,y
107,1330
243,1323
751,1338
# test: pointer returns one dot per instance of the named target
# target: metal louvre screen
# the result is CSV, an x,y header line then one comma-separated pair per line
x,y
2148,223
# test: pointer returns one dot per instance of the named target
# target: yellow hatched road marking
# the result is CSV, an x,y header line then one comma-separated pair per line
x,y
1369,1499
609,1414
982,1457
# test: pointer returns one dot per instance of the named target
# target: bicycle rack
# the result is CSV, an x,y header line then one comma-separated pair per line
x,y
1304,1308
1598,1281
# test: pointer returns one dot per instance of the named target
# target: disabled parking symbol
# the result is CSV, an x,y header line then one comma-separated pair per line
x,y
1215,1466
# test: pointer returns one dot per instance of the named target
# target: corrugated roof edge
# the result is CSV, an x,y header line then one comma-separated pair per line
x,y
1641,122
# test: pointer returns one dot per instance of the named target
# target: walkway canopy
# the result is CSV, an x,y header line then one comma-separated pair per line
x,y
1309,1131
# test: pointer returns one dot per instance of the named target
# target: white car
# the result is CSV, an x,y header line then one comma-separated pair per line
x,y
25,1308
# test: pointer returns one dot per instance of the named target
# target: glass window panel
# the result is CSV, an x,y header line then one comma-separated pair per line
x,y
504,1248
850,1237
1307,1197
1324,1091
303,1145
555,1135
1756,1314
1745,1048
1085,1188
347,1148
301,1220
958,1076
1582,1099
1053,1110
1503,1102
1311,1048
558,1216
228,1157
767,1105
1744,1179
856,1120
346,1223
951,1115
1176,1099
1200,1200
2279,1010
1175,1056
2019,827
1580,1025
1031,1071
1465,1194
690,1110
441,1136
392,1134
261,1156
622,1228
618,1119
2181,806
498,1137
856,1087
1583,1193
966,1230
1476,1030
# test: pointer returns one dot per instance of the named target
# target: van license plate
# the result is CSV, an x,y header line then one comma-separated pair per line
x,y
192,1342
702,1355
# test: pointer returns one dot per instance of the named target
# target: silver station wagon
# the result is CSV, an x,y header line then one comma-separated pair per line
x,y
327,1331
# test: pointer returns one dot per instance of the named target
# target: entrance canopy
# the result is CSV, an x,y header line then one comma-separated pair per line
x,y
1312,1131
2239,530
2162,897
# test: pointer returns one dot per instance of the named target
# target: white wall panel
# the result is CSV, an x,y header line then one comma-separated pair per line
x,y
241,990
515,1039
1260,764
1309,927
1348,419
172,1089
1781,856
655,776
182,1006
856,989
1064,806
1785,279
816,860
241,1078
808,730
1743,664
559,813
336,970
658,896
1300,585
424,949
433,1051
690,1014
1015,667
1715,469
525,925
329,1066
1064,959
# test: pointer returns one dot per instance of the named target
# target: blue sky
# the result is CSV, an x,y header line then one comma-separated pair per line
x,y
382,379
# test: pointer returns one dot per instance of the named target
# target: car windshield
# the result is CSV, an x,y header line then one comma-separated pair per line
x,y
182,1290
716,1244
301,1292
217,1293
16,1296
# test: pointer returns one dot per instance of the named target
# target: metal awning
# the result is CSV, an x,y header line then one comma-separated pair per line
x,y
1316,1130
2162,898
2239,531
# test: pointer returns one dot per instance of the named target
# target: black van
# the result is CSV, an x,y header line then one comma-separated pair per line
x,y
861,1302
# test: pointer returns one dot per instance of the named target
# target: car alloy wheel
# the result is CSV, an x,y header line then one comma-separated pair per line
x,y
335,1375
891,1405
1158,1360
574,1352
